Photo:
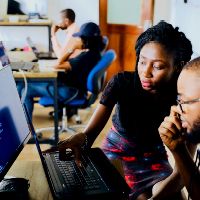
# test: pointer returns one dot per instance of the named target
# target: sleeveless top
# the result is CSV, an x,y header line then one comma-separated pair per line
x,y
135,120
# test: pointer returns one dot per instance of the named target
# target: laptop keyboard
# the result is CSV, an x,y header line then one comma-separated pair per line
x,y
76,178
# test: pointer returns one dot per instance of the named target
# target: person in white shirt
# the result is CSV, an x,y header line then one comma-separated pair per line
x,y
66,22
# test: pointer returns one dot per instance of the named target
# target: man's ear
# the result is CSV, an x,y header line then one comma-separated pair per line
x,y
66,21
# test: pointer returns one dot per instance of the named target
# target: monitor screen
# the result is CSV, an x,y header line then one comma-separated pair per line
x,y
14,131
24,7
3,55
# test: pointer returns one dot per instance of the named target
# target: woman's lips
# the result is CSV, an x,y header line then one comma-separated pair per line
x,y
146,83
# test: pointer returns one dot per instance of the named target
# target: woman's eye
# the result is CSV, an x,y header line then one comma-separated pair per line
x,y
142,62
158,68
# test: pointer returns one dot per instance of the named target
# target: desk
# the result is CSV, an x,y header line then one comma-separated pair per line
x,y
48,25
46,77
33,171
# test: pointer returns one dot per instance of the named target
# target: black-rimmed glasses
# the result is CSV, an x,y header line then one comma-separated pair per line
x,y
180,102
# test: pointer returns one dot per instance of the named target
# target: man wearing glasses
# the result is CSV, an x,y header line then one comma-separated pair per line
x,y
183,125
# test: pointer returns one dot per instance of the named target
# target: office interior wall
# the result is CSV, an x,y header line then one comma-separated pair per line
x,y
161,11
186,16
14,36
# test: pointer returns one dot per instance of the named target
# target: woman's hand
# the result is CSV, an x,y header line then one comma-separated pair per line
x,y
171,130
74,142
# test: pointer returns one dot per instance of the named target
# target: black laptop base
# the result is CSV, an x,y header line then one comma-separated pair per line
x,y
111,183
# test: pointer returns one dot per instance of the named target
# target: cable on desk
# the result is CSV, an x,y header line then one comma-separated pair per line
x,y
26,86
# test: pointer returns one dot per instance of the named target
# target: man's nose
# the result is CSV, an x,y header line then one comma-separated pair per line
x,y
147,71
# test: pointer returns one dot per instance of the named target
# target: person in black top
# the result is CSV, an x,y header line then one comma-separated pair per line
x,y
77,68
142,98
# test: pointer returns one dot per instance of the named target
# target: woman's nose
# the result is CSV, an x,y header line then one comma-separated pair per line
x,y
147,71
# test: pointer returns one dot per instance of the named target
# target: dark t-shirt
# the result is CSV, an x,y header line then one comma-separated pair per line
x,y
81,67
139,126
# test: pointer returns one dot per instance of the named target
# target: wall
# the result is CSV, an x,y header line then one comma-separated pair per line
x,y
186,16
161,11
182,15
86,10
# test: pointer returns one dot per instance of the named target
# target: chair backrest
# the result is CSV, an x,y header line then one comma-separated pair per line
x,y
97,75
105,41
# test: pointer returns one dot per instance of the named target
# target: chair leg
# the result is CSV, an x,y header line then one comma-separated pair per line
x,y
63,128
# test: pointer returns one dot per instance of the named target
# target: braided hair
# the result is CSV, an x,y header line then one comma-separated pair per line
x,y
174,42
170,38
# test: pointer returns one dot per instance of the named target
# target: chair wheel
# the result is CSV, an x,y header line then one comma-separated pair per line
x,y
79,122
39,135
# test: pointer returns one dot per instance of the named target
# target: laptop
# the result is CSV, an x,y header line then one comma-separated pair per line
x,y
98,178
15,66
41,55
14,131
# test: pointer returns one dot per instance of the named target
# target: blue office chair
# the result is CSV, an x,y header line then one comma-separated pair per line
x,y
105,41
95,83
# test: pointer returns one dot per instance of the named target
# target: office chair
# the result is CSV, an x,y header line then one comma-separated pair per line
x,y
105,41
95,83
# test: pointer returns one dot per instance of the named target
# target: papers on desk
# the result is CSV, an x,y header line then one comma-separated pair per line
x,y
47,65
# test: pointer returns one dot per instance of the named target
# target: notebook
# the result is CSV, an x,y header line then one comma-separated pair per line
x,y
14,130
48,66
41,55
26,66
98,178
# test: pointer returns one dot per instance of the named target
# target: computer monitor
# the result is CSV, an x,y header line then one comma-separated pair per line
x,y
14,131
24,7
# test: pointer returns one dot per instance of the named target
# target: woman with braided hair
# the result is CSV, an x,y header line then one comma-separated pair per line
x,y
143,98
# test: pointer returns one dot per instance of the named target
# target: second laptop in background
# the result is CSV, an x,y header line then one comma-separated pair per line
x,y
15,66
41,55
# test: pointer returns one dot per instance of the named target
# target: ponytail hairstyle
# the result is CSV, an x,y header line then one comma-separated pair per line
x,y
93,43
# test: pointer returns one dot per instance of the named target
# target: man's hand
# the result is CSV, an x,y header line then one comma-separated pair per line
x,y
171,130
54,29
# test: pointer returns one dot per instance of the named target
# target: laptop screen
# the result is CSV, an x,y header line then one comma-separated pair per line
x,y
3,55
32,45
14,131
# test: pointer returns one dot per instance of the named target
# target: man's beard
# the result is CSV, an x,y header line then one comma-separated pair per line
x,y
194,135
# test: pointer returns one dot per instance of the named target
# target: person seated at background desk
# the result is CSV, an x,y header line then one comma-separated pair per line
x,y
66,22
80,66
174,130
142,98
